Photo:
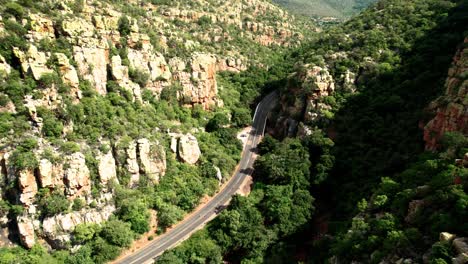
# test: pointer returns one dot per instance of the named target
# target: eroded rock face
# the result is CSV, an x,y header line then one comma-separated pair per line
x,y
188,149
132,164
26,231
50,175
451,110
92,65
145,158
106,168
41,27
58,229
32,60
152,159
28,186
152,63
120,75
199,86
76,175
69,74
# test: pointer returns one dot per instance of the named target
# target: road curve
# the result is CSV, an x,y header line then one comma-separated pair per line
x,y
183,230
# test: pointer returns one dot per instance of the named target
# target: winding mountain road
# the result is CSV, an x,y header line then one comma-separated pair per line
x,y
199,218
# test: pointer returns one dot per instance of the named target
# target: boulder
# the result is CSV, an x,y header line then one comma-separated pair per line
x,y
188,149
446,237
32,61
27,186
152,159
26,231
106,168
461,245
414,208
76,175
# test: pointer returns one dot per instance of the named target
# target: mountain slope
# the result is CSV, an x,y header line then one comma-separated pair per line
x,y
325,8
113,112
356,110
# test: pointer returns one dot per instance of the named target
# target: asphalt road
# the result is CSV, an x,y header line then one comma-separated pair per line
x,y
183,230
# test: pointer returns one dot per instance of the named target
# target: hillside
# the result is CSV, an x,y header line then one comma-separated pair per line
x,y
324,8
368,163
115,112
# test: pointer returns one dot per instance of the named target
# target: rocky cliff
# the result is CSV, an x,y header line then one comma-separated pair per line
x,y
451,109
81,91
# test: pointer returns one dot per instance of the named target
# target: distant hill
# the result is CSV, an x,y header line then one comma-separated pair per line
x,y
335,8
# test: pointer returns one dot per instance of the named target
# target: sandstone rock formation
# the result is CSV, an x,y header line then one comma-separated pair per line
x,y
120,74
58,229
28,186
41,27
32,61
188,149
26,231
76,175
106,168
152,159
69,74
199,86
132,164
50,175
144,157
451,109
92,65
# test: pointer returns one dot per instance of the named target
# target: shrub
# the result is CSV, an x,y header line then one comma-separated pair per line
x,y
52,203
78,204
139,77
124,26
15,10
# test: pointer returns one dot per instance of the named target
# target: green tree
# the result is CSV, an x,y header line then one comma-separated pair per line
x,y
117,232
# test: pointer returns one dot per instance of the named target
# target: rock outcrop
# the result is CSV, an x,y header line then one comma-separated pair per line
x,y
152,159
58,229
50,175
76,175
106,168
143,157
41,27
32,61
92,65
198,86
307,88
120,74
26,231
28,186
451,109
188,149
